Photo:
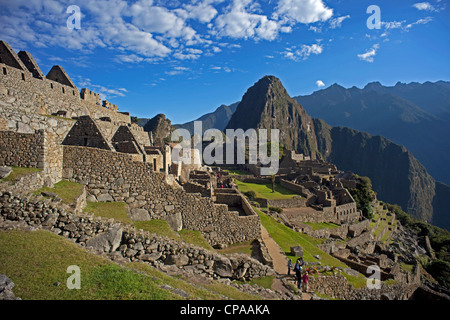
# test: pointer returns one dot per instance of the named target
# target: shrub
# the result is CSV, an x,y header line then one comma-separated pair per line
x,y
251,195
276,209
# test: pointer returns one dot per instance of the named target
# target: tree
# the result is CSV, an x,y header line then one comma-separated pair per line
x,y
364,196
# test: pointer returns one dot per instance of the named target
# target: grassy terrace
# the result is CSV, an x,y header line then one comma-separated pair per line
x,y
17,172
322,225
37,263
68,191
287,238
265,190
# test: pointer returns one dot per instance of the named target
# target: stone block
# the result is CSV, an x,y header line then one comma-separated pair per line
x,y
178,260
175,221
105,197
5,171
108,241
297,251
139,215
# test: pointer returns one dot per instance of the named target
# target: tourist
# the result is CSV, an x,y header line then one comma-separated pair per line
x,y
289,267
305,279
298,273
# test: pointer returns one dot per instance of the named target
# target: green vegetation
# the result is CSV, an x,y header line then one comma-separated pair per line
x,y
236,172
364,196
195,238
209,290
251,195
265,190
59,117
439,268
287,238
68,191
276,209
265,282
37,261
160,227
17,172
239,247
115,210
322,225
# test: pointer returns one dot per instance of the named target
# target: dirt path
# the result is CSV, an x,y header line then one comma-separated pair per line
x,y
278,257
279,263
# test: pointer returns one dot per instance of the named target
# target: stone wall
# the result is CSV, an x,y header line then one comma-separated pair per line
x,y
282,203
46,96
119,241
22,149
338,287
293,187
24,184
116,175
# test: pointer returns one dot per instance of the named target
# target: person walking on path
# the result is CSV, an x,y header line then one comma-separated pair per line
x,y
289,267
305,279
298,273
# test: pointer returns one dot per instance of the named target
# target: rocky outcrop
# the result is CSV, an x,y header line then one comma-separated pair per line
x,y
6,286
160,128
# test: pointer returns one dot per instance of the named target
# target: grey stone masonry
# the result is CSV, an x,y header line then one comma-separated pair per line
x,y
106,236
116,175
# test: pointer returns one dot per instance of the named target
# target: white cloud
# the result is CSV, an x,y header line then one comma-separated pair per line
x,y
424,6
203,11
320,84
152,30
303,11
176,70
154,19
420,21
337,22
368,56
393,24
303,52
241,22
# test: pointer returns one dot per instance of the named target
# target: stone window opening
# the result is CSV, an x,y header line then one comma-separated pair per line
x,y
85,142
63,90
23,76
4,71
51,85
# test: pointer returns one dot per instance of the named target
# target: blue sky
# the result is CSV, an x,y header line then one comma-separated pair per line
x,y
186,58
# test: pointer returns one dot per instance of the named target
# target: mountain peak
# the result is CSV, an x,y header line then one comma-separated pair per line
x,y
376,85
267,105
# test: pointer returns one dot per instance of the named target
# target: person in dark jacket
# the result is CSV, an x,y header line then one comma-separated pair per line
x,y
298,273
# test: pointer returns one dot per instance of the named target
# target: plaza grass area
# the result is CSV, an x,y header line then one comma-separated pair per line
x,y
265,190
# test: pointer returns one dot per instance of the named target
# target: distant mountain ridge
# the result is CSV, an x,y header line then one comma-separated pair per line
x,y
213,120
414,115
397,176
